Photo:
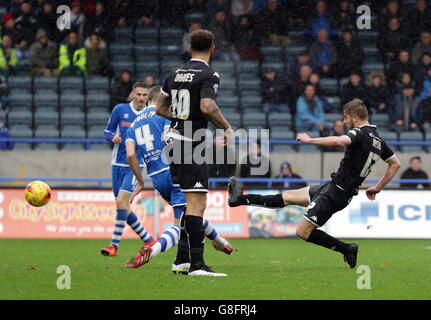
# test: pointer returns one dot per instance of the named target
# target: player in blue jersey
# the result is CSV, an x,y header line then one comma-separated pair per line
x,y
145,139
123,180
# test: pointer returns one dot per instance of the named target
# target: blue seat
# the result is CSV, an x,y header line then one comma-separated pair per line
x,y
119,66
147,67
97,82
336,102
331,117
72,116
228,83
46,98
293,50
75,101
253,119
248,67
20,131
227,101
74,83
282,132
124,34
249,84
96,130
98,101
370,67
233,118
145,33
280,119
251,101
21,82
223,67
277,66
72,131
43,82
46,115
329,85
20,98
412,136
20,117
46,131
380,120
99,116
167,66
121,49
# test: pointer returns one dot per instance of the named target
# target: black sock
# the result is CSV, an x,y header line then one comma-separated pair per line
x,y
183,253
272,201
196,236
323,239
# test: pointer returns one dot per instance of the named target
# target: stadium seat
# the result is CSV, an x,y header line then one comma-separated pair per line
x,y
171,35
146,33
428,139
252,84
368,37
380,120
147,67
23,66
119,66
72,131
69,100
224,67
46,131
253,119
124,35
46,115
282,132
227,101
20,131
331,117
329,85
97,82
412,136
277,66
20,98
297,35
20,82
98,116
247,67
280,119
388,135
336,102
100,146
226,92
272,53
45,83
168,65
3,116
293,50
117,49
343,81
233,118
309,147
72,116
251,100
367,68
46,146
228,83
73,83
97,101
96,131
20,117
46,98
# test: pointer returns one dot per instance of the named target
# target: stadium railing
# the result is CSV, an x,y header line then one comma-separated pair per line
x,y
89,141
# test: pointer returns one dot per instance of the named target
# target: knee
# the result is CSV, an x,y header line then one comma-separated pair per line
x,y
122,202
302,233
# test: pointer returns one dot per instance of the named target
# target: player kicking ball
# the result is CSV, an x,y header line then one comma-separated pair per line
x,y
146,140
364,148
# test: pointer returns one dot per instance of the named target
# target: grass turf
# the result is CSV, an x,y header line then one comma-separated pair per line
x,y
261,269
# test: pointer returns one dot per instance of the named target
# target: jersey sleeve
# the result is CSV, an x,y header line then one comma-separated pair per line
x,y
353,135
165,87
210,86
167,123
130,134
387,153
113,121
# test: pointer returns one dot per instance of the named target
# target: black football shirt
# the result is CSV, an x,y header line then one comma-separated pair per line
x,y
366,149
186,86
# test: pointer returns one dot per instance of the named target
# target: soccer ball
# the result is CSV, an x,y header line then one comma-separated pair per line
x,y
37,193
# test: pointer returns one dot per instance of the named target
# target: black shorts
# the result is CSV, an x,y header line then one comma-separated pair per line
x,y
325,200
189,173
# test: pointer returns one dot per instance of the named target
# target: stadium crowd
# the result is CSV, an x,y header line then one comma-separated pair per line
x,y
301,59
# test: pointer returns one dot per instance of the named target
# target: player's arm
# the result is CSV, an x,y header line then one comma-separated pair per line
x,y
393,166
109,134
163,107
331,141
133,162
212,112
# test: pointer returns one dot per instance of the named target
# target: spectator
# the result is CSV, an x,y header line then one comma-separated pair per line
x,y
320,20
337,130
286,172
194,26
222,29
354,89
405,110
223,162
254,160
274,24
4,93
323,54
422,46
426,104
415,172
77,19
9,27
320,93
214,6
349,54
72,57
97,57
422,67
399,67
26,17
145,12
345,16
309,112
390,11
392,40
241,7
292,73
150,81
44,56
405,79
297,88
8,57
419,19
100,22
122,88
273,92
47,20
377,93
426,84
246,40
4,133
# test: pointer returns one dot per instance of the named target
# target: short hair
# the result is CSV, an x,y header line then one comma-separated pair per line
x,y
140,84
153,93
201,40
416,158
356,107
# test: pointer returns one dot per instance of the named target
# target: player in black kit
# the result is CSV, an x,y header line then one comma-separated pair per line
x,y
188,99
364,149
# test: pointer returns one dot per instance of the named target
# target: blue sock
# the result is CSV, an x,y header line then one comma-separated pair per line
x,y
211,233
135,224
169,239
120,224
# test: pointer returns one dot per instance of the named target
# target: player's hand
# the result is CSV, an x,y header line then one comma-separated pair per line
x,y
371,193
137,190
303,137
117,138
228,136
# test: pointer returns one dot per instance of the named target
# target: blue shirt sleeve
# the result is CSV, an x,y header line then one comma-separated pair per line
x,y
130,135
112,125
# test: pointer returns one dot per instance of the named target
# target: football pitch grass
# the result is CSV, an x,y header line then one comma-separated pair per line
x,y
260,269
